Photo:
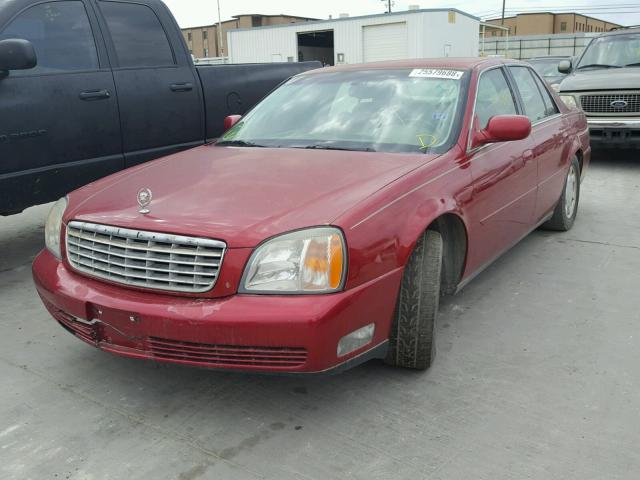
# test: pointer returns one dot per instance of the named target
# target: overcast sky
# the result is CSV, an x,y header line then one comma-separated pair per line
x,y
202,12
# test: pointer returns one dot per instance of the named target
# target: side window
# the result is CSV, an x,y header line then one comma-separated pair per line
x,y
494,97
534,105
61,36
137,35
549,104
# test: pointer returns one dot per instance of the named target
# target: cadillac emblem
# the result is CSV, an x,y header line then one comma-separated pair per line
x,y
144,200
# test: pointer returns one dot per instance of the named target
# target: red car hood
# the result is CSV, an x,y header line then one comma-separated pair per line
x,y
240,195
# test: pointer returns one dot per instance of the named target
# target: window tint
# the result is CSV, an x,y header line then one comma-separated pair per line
x,y
549,104
494,97
137,34
534,106
61,35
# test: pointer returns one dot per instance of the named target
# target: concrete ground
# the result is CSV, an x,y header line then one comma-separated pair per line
x,y
537,377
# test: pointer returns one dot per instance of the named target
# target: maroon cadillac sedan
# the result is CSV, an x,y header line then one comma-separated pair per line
x,y
324,226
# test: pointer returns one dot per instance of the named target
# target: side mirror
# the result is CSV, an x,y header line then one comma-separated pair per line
x,y
230,121
564,66
16,54
503,128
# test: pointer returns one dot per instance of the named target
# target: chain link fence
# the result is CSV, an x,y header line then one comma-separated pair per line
x,y
524,47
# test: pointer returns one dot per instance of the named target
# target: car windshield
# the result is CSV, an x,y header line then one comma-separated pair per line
x,y
408,110
612,51
547,68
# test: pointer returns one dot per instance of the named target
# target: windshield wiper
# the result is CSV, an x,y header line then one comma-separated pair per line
x,y
239,143
333,147
598,65
635,64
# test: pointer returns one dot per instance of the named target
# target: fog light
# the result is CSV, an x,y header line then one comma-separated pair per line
x,y
356,339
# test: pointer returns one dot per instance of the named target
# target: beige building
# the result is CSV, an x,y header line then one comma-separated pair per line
x,y
548,23
203,41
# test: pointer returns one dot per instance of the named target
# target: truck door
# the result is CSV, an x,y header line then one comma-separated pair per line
x,y
161,109
59,125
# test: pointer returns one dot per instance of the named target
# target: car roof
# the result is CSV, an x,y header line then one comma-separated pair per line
x,y
465,63
620,31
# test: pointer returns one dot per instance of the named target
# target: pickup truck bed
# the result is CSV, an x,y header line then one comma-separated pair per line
x,y
233,89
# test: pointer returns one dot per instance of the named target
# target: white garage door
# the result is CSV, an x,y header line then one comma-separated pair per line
x,y
385,42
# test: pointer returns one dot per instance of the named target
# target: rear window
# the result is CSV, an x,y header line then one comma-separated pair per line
x,y
547,68
534,105
137,34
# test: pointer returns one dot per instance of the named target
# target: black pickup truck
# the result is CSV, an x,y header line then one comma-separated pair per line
x,y
90,87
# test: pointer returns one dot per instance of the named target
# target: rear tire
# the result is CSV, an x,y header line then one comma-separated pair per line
x,y
412,338
566,209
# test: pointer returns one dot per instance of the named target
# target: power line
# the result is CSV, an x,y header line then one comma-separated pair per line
x,y
496,14
566,8
572,5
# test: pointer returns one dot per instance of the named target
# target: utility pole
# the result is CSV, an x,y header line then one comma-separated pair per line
x,y
220,47
389,4
503,4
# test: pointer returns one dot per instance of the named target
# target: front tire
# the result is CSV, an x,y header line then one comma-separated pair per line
x,y
566,209
412,337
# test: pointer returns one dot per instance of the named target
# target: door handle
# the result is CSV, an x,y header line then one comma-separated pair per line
x,y
527,155
94,95
181,87
521,162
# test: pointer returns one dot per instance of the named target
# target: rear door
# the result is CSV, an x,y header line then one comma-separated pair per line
x,y
59,125
161,108
504,176
550,134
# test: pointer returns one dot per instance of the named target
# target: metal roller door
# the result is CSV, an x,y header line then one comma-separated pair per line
x,y
385,42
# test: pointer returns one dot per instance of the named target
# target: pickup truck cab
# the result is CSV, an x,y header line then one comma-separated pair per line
x,y
605,84
90,87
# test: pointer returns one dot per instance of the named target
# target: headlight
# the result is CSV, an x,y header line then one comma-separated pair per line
x,y
53,227
306,261
569,101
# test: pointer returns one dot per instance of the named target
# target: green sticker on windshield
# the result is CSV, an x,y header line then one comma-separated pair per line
x,y
426,140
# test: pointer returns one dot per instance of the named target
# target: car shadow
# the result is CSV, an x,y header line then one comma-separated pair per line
x,y
615,158
22,237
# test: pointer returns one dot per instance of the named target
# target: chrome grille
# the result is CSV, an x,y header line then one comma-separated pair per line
x,y
602,103
144,259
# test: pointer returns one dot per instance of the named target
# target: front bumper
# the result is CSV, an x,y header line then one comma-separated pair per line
x,y
614,132
269,333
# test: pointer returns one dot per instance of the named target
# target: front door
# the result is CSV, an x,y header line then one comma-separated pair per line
x,y
161,108
59,125
504,177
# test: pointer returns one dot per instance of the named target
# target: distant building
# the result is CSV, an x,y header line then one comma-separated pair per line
x,y
399,35
203,41
547,23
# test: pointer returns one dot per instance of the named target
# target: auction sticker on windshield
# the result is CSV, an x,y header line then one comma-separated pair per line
x,y
436,73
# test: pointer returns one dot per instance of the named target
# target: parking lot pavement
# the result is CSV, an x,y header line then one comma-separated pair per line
x,y
537,377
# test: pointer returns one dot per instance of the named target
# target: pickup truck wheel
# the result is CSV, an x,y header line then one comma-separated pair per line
x,y
412,337
566,210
